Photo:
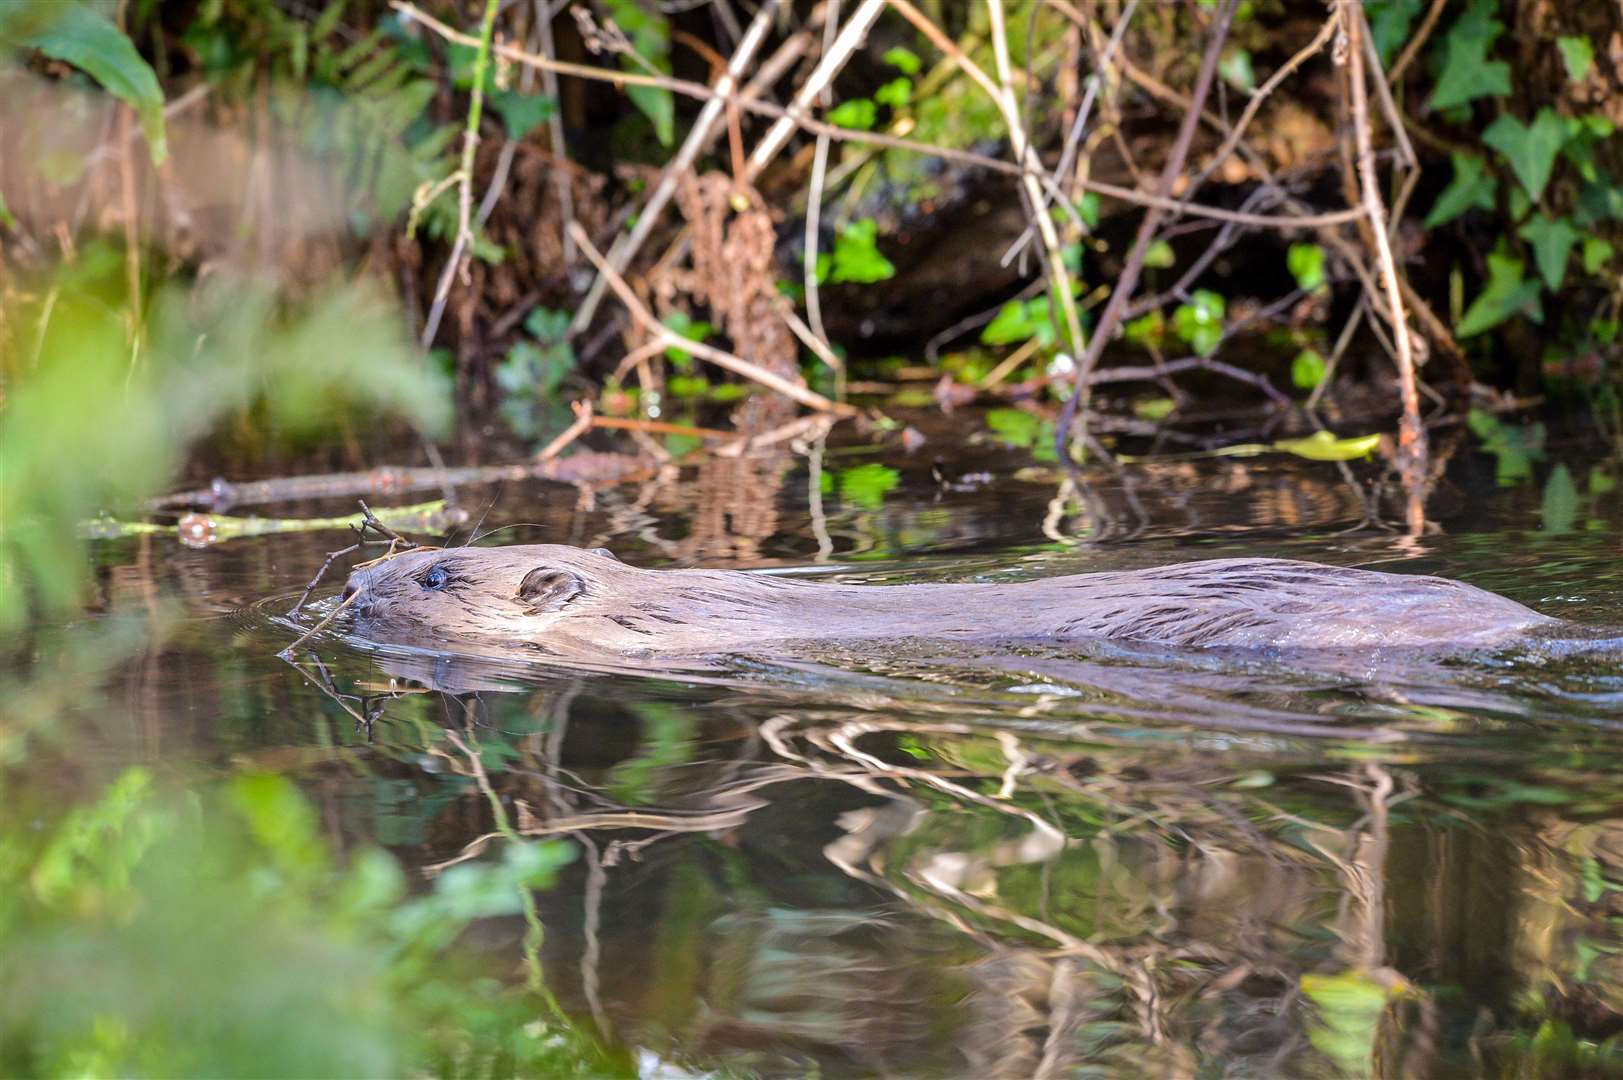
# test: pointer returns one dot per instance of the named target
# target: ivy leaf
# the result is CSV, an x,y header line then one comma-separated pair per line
x,y
650,34
904,60
1389,22
522,113
692,329
858,114
1200,322
867,485
1597,253
1467,73
1578,54
1551,242
1307,369
856,256
895,93
1087,208
1531,149
1471,189
80,35
1237,70
1506,294
1306,264
1158,254
1014,426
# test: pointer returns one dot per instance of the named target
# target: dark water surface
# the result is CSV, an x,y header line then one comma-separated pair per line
x,y
1033,862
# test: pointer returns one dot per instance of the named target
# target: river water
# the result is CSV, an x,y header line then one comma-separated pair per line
x,y
901,860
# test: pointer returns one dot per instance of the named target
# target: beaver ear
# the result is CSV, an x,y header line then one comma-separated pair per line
x,y
548,589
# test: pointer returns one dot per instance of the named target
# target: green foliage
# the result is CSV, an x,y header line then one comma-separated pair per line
x,y
1577,53
1016,427
904,60
1158,255
533,370
1472,188
690,328
94,427
1237,70
1349,1007
650,35
1308,369
77,33
1514,449
1306,264
1530,149
1552,242
522,113
858,114
1466,72
1323,446
865,486
1200,321
1021,320
895,93
1506,294
855,257
1389,22
220,922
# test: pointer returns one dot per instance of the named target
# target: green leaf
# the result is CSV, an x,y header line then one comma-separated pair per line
x,y
904,60
1347,1024
1147,330
659,106
80,35
1159,255
1200,322
1551,242
547,324
1154,409
1306,264
1560,509
867,485
857,114
856,257
1014,426
1087,208
1236,69
522,113
1323,446
1531,149
1471,189
1578,54
650,35
1506,294
895,93
1597,253
1467,73
688,327
1389,22
1308,369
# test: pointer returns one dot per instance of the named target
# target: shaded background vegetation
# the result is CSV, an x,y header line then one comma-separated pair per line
x,y
259,232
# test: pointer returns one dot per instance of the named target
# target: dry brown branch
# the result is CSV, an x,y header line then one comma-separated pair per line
x,y
1416,41
1033,176
627,245
701,92
1077,403
1411,436
719,357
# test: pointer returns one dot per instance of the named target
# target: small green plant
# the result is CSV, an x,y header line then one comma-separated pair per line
x,y
1200,321
856,257
532,372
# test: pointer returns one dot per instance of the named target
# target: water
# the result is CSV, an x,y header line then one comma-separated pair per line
x,y
910,860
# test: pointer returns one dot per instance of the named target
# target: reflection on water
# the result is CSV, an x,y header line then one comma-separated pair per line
x,y
1019,862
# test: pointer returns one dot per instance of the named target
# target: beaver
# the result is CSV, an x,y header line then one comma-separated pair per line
x,y
569,602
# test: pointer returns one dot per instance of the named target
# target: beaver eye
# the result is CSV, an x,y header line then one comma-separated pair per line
x,y
435,579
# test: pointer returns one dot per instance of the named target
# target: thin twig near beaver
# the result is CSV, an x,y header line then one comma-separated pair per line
x,y
564,601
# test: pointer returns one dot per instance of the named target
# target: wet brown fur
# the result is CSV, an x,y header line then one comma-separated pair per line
x,y
565,601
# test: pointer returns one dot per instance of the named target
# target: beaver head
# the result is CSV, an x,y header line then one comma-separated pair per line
x,y
509,594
